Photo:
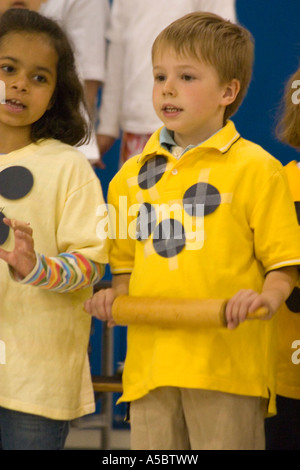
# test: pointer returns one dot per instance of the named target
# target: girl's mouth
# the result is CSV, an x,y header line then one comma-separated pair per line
x,y
15,105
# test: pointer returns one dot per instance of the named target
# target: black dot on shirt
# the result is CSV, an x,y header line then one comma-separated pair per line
x,y
4,230
146,221
297,207
169,238
152,171
15,182
293,302
203,196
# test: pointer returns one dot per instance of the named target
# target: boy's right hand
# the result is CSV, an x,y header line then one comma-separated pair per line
x,y
100,305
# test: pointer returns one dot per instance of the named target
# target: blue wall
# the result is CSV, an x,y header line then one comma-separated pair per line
x,y
275,27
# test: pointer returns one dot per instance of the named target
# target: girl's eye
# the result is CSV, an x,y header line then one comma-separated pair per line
x,y
7,68
40,78
187,78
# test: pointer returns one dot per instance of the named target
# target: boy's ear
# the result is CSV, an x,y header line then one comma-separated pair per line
x,y
231,91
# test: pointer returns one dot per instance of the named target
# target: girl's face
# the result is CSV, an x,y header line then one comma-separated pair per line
x,y
28,64
29,4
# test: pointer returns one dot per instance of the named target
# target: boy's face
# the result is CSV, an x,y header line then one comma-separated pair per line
x,y
187,97
29,4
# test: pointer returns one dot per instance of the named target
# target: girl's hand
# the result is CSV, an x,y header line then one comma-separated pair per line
x,y
22,259
100,305
242,304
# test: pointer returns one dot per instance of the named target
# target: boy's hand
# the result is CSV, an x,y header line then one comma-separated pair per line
x,y
100,305
245,302
277,287
22,259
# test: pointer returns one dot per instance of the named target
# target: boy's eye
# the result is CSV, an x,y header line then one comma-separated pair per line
x,y
187,77
160,78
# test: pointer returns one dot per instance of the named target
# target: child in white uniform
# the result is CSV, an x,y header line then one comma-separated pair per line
x,y
126,106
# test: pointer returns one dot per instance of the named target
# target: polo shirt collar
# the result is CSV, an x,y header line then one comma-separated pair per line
x,y
162,141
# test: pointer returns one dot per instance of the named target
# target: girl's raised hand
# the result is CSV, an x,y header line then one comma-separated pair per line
x,y
22,259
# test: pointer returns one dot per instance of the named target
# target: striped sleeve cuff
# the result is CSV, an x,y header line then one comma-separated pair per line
x,y
66,272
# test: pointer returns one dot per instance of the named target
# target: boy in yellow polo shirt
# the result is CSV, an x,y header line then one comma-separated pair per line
x,y
201,221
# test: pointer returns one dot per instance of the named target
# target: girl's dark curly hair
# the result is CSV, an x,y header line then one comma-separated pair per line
x,y
65,120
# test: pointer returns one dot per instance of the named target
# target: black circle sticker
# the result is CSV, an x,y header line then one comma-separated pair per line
x,y
297,207
146,221
169,238
201,199
293,302
15,182
4,229
152,171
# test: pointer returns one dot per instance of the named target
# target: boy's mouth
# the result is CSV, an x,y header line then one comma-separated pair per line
x,y
171,109
168,108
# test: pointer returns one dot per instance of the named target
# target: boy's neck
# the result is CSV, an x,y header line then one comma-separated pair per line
x,y
200,135
182,142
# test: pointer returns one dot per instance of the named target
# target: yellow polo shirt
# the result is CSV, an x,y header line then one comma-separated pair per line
x,y
205,225
288,378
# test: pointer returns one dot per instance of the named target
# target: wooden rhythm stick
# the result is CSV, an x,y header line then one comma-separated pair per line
x,y
170,313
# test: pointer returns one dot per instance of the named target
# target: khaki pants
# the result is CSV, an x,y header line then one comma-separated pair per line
x,y
170,418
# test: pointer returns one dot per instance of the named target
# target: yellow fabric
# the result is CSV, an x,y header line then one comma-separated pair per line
x,y
46,334
237,244
289,321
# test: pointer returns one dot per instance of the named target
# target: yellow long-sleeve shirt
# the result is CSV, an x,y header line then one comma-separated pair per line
x,y
288,377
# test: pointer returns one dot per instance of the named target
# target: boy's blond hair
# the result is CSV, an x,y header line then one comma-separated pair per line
x,y
288,128
228,47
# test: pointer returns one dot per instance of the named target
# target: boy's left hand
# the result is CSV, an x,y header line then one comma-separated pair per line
x,y
23,258
277,287
242,304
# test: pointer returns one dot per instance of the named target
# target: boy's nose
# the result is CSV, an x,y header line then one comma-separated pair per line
x,y
169,88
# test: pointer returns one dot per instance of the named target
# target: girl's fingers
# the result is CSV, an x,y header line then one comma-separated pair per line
x,y
22,232
18,225
4,255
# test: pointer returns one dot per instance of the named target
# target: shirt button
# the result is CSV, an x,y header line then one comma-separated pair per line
x,y
174,172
